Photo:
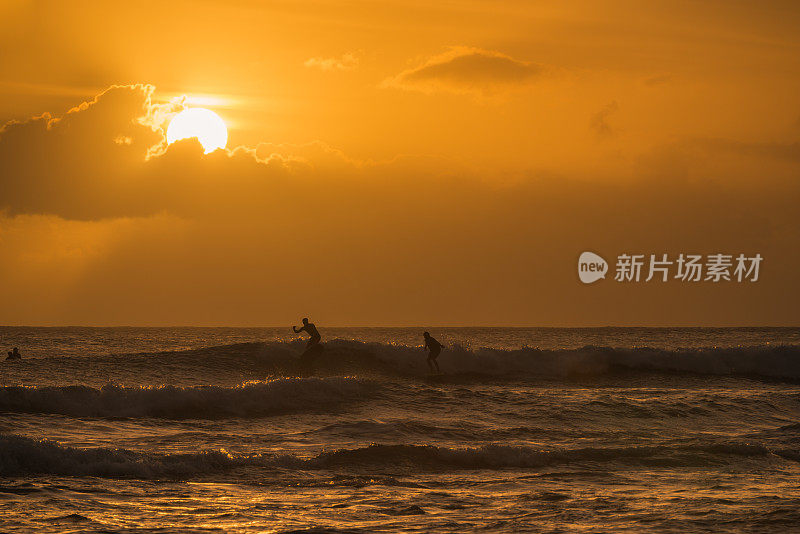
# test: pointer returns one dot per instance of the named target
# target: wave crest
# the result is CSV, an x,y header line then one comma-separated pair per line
x,y
20,455
251,399
767,361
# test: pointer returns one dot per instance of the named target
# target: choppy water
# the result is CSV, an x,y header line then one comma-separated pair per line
x,y
540,430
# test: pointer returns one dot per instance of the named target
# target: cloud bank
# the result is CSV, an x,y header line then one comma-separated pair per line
x,y
468,69
99,227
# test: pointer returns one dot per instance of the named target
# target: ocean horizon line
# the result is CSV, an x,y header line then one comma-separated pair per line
x,y
378,326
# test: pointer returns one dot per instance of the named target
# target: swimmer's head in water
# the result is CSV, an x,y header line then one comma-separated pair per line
x,y
305,320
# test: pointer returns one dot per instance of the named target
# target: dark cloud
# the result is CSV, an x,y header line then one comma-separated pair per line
x,y
108,158
79,165
468,69
599,121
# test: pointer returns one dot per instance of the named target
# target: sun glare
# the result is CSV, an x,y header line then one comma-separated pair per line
x,y
201,123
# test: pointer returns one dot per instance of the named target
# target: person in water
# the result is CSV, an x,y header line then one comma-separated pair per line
x,y
311,330
435,348
313,347
14,354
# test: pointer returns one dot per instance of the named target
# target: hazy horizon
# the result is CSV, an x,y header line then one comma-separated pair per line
x,y
410,325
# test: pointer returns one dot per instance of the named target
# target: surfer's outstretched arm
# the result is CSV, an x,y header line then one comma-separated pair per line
x,y
296,331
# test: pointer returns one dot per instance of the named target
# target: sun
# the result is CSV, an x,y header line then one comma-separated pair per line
x,y
201,123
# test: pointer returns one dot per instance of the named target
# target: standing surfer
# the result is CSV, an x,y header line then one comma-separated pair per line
x,y
313,347
311,330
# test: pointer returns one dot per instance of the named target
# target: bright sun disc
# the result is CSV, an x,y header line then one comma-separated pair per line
x,y
201,123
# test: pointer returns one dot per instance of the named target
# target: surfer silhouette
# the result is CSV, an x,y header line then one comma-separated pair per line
x,y
313,347
311,330
435,348
14,354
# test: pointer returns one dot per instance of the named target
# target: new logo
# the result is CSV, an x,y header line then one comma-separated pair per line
x,y
591,267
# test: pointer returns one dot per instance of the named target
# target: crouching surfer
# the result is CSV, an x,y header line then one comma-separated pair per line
x,y
313,347
435,349
14,354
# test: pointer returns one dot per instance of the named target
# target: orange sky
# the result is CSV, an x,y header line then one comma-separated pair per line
x,y
394,163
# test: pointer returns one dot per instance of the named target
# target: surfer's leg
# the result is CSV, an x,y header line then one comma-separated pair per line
x,y
432,358
432,362
314,340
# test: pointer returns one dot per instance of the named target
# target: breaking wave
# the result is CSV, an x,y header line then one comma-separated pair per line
x,y
765,361
354,357
251,399
21,456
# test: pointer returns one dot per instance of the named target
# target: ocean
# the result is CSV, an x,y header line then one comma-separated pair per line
x,y
527,430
